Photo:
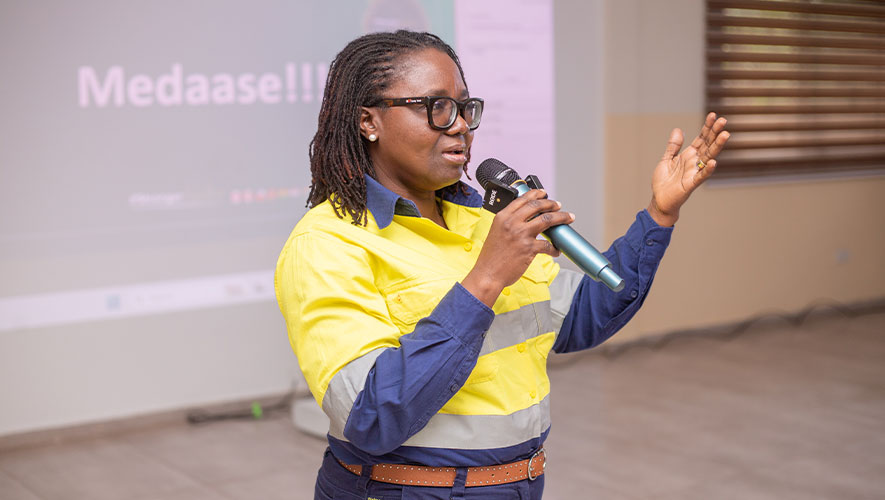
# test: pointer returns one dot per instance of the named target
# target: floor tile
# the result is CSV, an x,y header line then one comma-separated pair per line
x,y
229,451
777,412
189,493
10,489
95,470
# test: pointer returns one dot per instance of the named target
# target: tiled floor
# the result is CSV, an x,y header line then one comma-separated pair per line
x,y
776,413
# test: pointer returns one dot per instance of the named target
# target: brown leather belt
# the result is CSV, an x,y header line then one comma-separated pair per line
x,y
418,475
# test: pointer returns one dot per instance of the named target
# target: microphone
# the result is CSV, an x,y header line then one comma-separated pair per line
x,y
503,185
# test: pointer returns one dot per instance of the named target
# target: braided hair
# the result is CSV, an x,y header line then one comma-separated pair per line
x,y
358,76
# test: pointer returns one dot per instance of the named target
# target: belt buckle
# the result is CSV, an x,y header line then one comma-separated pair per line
x,y
543,468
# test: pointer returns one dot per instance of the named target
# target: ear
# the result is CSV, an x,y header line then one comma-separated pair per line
x,y
370,121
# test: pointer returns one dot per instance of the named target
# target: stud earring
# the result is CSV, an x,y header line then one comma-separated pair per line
x,y
373,137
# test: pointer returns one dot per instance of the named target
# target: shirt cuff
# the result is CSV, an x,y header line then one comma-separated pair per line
x,y
463,314
649,234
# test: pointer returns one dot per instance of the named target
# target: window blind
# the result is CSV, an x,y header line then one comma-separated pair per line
x,y
802,83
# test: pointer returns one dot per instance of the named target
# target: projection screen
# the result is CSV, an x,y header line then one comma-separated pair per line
x,y
154,154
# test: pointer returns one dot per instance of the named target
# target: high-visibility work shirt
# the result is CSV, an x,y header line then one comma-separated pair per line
x,y
412,368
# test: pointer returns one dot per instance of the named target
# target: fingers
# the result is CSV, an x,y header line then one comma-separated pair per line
x,y
544,246
531,204
541,213
533,208
547,220
716,147
709,123
703,174
536,213
714,139
674,144
718,125
512,243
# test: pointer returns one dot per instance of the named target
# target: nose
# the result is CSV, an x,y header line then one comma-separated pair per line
x,y
459,127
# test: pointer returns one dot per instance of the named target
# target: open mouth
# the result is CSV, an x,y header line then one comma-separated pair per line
x,y
458,154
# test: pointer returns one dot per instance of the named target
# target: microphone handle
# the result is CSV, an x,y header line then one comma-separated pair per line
x,y
579,250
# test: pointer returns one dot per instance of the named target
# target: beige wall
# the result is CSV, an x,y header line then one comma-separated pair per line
x,y
738,249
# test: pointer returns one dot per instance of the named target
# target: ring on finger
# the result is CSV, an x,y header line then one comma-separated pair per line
x,y
701,164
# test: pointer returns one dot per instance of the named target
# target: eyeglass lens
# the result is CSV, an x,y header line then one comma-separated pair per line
x,y
445,112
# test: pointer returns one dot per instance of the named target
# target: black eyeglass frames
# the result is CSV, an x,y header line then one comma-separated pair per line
x,y
443,111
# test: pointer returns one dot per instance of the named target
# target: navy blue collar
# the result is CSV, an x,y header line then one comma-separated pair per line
x,y
384,203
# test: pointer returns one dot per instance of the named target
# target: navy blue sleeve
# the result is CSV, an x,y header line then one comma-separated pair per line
x,y
409,384
596,312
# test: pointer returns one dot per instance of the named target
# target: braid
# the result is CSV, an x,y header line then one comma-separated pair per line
x,y
358,76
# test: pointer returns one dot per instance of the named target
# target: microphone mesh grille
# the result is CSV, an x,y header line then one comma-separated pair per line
x,y
492,168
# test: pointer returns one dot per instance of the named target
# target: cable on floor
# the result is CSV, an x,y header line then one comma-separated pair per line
x,y
256,411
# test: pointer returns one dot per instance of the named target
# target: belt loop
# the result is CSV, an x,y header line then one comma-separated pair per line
x,y
362,484
460,483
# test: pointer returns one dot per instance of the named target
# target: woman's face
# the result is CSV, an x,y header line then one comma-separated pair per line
x,y
409,156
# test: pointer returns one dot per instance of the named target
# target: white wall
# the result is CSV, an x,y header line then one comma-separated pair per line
x,y
580,127
94,372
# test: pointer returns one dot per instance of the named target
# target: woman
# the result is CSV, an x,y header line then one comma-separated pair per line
x,y
422,322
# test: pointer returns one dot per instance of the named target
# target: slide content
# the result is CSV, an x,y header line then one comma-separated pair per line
x,y
155,163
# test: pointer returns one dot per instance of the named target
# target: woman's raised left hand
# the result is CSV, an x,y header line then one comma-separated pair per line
x,y
677,175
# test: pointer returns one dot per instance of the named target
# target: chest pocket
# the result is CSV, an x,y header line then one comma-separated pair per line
x,y
413,300
410,302
535,282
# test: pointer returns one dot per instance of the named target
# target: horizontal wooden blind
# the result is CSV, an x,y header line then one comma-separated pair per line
x,y
802,83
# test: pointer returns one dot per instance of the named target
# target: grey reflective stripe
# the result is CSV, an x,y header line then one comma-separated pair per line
x,y
479,432
519,325
562,292
344,388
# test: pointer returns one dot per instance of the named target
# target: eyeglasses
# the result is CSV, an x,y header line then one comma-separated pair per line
x,y
443,111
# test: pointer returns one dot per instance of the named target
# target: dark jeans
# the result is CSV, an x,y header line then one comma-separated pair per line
x,y
336,482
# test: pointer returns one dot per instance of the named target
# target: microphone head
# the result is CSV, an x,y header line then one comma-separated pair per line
x,y
494,169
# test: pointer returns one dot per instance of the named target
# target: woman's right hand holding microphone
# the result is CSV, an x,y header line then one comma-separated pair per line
x,y
512,244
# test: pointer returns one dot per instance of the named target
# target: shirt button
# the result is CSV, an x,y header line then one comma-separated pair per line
x,y
454,388
533,394
506,290
521,347
634,294
649,242
468,246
